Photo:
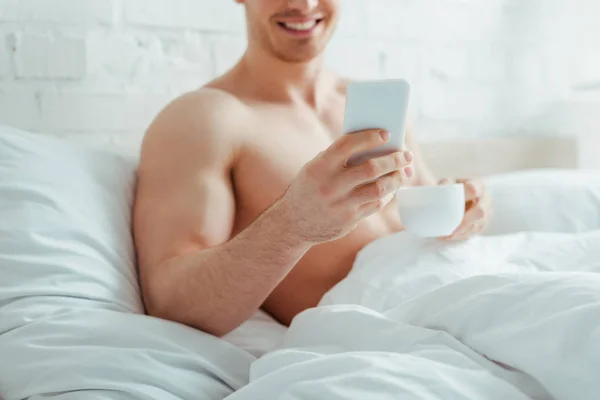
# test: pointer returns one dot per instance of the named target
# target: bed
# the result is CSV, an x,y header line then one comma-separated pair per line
x,y
71,316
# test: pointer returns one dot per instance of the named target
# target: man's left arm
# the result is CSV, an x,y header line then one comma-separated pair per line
x,y
478,207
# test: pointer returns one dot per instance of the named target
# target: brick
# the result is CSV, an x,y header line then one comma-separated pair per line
x,y
19,109
113,55
584,66
584,122
457,101
352,19
396,19
49,56
59,11
88,112
555,70
526,68
222,16
447,60
93,139
354,59
489,62
429,20
185,63
129,141
542,73
403,60
4,58
177,62
125,142
431,130
226,51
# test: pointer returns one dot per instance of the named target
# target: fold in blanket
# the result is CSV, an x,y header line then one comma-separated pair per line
x,y
514,317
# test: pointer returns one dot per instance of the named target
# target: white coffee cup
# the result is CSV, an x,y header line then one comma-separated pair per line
x,y
431,211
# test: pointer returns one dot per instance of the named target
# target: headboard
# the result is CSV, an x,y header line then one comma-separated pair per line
x,y
478,157
482,157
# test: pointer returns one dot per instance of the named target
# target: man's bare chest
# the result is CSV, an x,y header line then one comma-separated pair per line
x,y
277,145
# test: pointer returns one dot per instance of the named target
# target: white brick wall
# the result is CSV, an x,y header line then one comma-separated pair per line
x,y
48,56
101,69
4,59
217,16
59,11
19,108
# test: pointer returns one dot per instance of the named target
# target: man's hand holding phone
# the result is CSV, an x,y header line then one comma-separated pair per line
x,y
330,197
359,174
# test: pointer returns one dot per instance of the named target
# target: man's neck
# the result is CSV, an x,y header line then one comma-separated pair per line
x,y
283,81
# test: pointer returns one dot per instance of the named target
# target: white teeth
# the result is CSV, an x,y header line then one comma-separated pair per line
x,y
301,26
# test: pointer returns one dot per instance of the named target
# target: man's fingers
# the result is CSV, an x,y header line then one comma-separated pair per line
x,y
377,167
474,214
373,207
446,181
473,189
478,213
348,145
379,189
475,220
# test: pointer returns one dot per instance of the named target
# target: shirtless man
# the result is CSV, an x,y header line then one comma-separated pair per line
x,y
244,197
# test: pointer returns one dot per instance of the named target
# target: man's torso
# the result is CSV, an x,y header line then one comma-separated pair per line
x,y
280,139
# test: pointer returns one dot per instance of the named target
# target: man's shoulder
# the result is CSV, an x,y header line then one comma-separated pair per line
x,y
204,113
207,120
208,105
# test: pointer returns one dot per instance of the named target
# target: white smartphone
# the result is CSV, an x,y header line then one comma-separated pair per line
x,y
377,105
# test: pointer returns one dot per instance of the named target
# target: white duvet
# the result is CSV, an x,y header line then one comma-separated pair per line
x,y
512,317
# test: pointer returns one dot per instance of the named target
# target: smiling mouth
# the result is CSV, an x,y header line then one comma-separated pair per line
x,y
301,27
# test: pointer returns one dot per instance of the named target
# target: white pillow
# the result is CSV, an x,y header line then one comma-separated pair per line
x,y
65,214
71,322
547,200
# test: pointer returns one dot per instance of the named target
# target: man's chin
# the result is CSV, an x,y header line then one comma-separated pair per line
x,y
299,57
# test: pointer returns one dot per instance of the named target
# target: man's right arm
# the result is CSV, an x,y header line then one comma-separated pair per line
x,y
184,215
190,270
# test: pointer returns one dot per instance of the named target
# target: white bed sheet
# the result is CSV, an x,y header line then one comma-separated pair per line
x,y
259,335
507,317
79,352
